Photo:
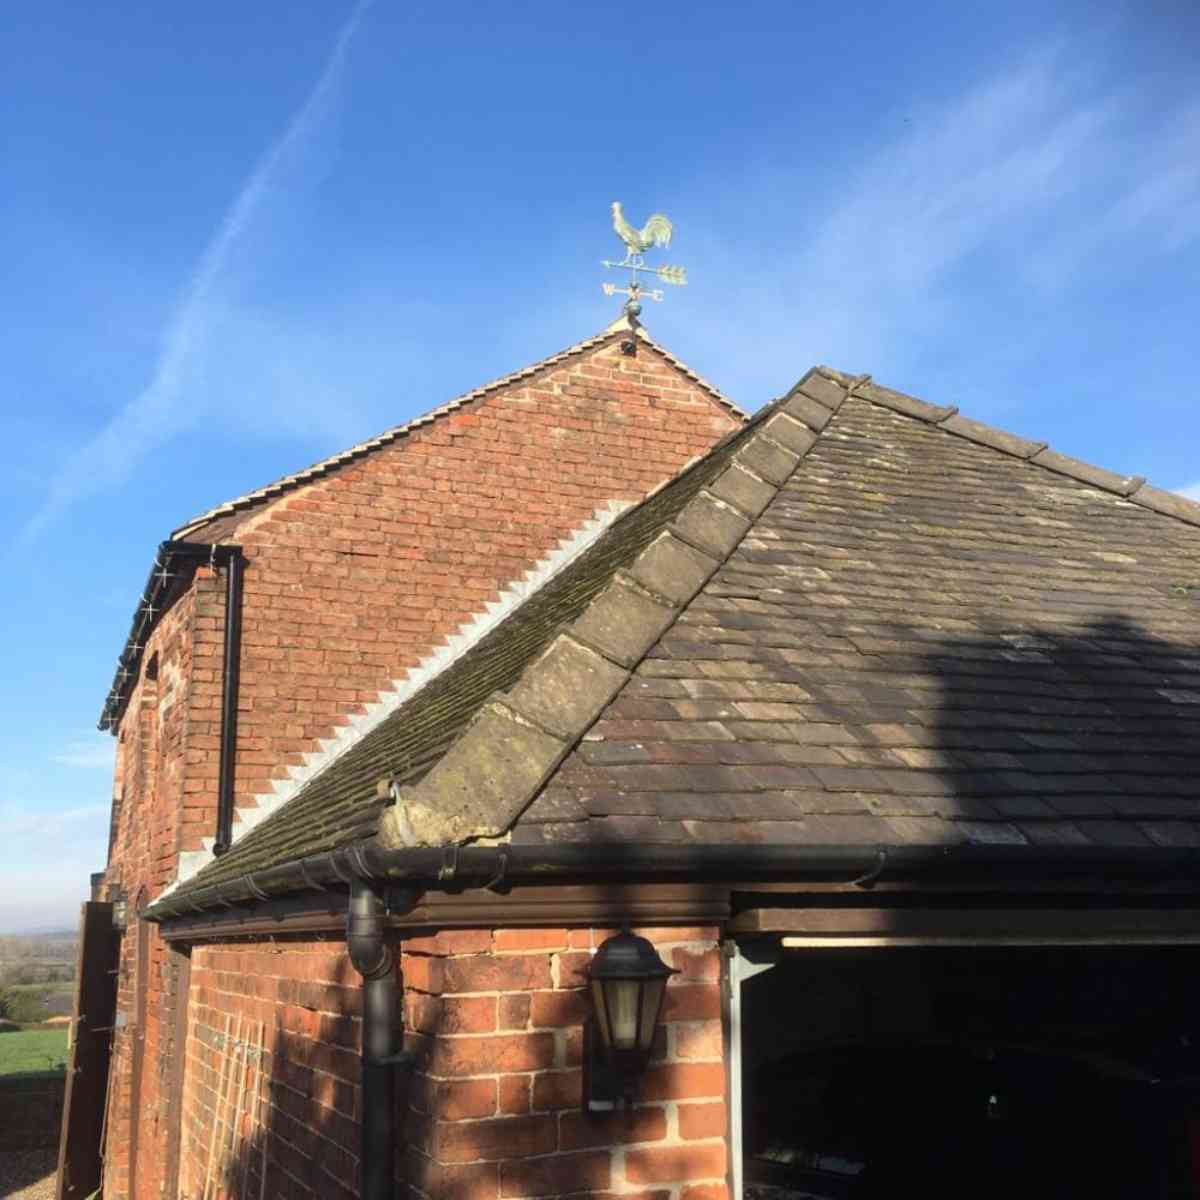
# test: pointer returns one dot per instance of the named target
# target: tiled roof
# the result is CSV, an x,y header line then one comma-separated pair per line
x,y
862,619
194,527
935,633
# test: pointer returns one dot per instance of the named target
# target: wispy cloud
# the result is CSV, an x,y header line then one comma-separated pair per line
x,y
1033,182
155,416
46,859
46,894
94,752
34,824
1192,491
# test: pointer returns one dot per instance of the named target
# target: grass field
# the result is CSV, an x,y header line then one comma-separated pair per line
x,y
33,1050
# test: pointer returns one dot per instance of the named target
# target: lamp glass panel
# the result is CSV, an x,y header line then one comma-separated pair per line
x,y
600,1004
652,998
623,1008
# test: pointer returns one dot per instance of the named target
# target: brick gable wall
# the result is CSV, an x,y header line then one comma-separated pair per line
x,y
353,582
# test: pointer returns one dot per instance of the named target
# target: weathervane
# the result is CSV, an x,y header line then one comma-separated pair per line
x,y
656,232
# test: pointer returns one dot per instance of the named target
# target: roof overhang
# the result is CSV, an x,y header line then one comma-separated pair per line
x,y
456,868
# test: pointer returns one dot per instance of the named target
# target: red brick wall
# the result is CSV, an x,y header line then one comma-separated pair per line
x,y
493,1110
495,1017
307,997
352,580
148,802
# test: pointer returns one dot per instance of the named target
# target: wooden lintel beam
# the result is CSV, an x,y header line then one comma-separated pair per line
x,y
1000,925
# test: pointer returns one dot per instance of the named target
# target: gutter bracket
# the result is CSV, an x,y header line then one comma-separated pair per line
x,y
871,877
448,871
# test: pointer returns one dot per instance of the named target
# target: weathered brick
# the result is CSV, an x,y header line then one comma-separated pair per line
x,y
424,974
466,1098
554,1090
445,1181
530,939
515,1093
698,967
691,1003
465,941
466,1014
505,1137
485,1055
559,1175
683,1081
703,1120
697,1039
672,1164
514,1011
516,972
576,1130
705,1191
569,968
553,1009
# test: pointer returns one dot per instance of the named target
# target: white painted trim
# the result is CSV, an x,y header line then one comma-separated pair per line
x,y
246,817
740,969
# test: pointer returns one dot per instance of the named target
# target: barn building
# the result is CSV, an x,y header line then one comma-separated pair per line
x,y
588,791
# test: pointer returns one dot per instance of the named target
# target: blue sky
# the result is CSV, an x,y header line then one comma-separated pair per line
x,y
239,237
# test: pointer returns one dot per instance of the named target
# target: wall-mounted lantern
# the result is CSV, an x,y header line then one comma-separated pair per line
x,y
627,983
120,911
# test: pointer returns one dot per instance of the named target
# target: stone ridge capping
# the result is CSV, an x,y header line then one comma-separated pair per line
x,y
288,482
1129,487
480,787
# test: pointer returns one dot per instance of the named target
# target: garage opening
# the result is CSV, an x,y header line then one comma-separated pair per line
x,y
1065,1071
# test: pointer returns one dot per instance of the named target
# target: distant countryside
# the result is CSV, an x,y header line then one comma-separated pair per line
x,y
37,991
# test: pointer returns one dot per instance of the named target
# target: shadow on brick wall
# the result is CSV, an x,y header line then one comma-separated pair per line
x,y
291,1128
286,1125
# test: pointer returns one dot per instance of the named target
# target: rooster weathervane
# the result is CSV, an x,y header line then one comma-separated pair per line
x,y
656,232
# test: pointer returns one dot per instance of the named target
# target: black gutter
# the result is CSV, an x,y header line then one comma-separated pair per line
x,y
382,1038
174,567
230,679
455,868
172,570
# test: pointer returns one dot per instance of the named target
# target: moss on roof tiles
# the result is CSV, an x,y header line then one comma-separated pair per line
x,y
340,805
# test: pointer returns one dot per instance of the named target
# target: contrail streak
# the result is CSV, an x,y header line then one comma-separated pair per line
x,y
152,417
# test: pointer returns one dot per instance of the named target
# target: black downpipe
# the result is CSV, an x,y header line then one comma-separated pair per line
x,y
382,1038
230,677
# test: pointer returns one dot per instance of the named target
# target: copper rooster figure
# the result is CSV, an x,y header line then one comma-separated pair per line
x,y
656,232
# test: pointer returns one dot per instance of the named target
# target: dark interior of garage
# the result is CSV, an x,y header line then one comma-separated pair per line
x,y
985,1072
